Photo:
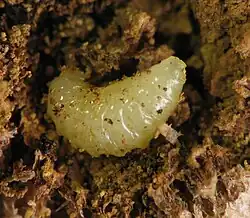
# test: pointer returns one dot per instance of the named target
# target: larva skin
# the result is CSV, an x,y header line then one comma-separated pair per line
x,y
117,118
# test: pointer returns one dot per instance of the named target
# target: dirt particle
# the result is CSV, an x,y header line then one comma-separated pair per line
x,y
108,120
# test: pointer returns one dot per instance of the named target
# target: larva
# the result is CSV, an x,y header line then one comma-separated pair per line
x,y
119,117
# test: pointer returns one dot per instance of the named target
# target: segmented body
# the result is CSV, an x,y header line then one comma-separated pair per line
x,y
122,116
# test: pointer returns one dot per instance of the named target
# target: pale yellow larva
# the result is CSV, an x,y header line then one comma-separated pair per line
x,y
119,117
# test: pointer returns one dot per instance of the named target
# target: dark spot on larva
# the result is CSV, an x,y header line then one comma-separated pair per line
x,y
118,120
71,104
96,93
66,116
159,111
159,86
57,109
122,100
124,90
145,127
158,97
108,120
142,104
165,89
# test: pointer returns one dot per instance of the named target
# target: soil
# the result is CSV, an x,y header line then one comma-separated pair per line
x,y
204,174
